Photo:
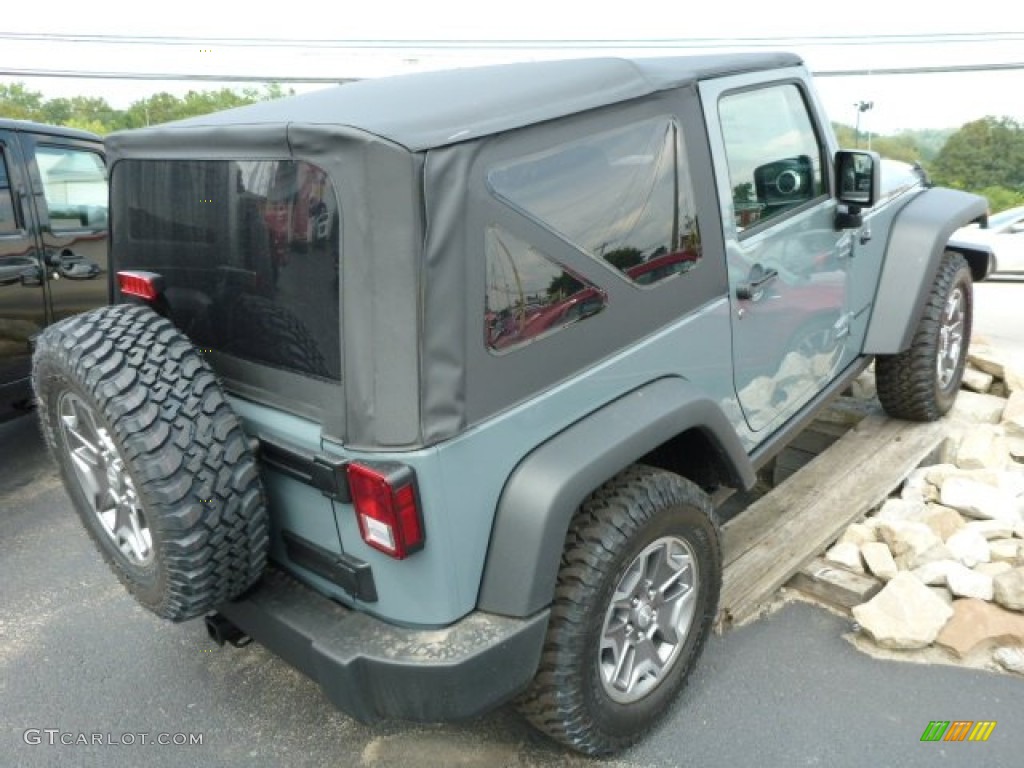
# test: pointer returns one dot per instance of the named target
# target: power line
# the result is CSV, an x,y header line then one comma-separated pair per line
x,y
945,69
937,38
78,74
315,79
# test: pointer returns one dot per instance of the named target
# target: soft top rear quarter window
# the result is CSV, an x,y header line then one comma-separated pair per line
x,y
624,196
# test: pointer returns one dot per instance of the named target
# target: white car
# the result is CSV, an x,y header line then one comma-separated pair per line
x,y
1004,235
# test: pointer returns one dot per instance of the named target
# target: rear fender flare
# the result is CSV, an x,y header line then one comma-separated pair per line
x,y
546,488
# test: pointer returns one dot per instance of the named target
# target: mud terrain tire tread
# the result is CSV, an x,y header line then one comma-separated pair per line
x,y
908,383
182,445
565,700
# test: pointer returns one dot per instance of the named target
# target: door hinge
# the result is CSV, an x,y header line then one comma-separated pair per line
x,y
325,473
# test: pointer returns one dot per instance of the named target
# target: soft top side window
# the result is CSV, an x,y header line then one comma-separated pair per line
x,y
623,196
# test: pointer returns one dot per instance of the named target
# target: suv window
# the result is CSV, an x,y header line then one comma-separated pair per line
x,y
623,196
773,153
75,187
529,295
8,224
248,251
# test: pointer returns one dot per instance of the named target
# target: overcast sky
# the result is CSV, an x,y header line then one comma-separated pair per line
x,y
919,101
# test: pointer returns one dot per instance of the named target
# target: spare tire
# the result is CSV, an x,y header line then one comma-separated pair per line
x,y
153,458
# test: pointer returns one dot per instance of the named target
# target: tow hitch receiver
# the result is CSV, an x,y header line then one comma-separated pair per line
x,y
222,630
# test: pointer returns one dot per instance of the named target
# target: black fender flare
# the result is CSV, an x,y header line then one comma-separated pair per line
x,y
547,487
918,237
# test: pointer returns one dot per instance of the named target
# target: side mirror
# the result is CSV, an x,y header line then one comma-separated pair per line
x,y
785,182
859,177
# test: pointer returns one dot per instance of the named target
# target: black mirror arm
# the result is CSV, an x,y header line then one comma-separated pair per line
x,y
851,218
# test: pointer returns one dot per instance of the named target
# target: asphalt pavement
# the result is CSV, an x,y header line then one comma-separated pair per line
x,y
79,661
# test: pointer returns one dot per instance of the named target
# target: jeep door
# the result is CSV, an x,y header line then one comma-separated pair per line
x,y
787,264
68,183
22,298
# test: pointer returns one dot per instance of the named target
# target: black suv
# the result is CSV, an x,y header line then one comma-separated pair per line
x,y
53,240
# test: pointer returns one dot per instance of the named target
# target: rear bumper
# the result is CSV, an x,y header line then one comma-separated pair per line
x,y
372,670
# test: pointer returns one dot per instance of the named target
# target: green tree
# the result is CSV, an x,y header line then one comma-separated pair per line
x,y
902,146
625,257
1001,198
19,103
983,153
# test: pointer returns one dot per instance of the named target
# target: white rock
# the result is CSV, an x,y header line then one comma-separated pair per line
x,y
983,447
963,582
905,614
1006,550
947,449
1018,531
1013,416
919,477
910,561
994,568
1010,657
984,409
976,380
979,500
920,495
864,387
943,594
900,509
1009,479
987,359
940,473
934,573
1016,445
1013,374
846,554
879,560
1009,589
945,521
907,537
858,534
991,529
969,547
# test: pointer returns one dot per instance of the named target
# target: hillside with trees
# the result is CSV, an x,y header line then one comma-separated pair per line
x,y
95,114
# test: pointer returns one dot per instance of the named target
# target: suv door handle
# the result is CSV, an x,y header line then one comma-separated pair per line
x,y
758,278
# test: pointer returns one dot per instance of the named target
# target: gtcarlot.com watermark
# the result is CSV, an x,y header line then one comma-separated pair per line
x,y
55,737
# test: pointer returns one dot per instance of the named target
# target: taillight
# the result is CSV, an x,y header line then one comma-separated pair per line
x,y
144,285
387,507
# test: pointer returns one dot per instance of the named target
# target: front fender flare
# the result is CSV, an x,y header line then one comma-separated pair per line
x,y
919,235
549,484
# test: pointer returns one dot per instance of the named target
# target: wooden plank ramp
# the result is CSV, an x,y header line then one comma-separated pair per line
x,y
784,530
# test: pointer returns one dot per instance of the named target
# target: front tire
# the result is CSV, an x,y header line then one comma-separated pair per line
x,y
635,599
920,384
153,458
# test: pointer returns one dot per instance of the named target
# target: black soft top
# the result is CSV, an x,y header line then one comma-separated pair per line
x,y
434,109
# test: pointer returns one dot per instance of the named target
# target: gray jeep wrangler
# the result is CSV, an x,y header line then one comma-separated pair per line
x,y
426,383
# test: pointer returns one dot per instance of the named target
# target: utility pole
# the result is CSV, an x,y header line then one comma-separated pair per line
x,y
862,107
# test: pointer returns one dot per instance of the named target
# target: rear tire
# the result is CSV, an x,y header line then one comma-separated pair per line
x,y
153,457
920,384
635,599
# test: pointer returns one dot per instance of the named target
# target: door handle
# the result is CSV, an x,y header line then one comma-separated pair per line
x,y
753,288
